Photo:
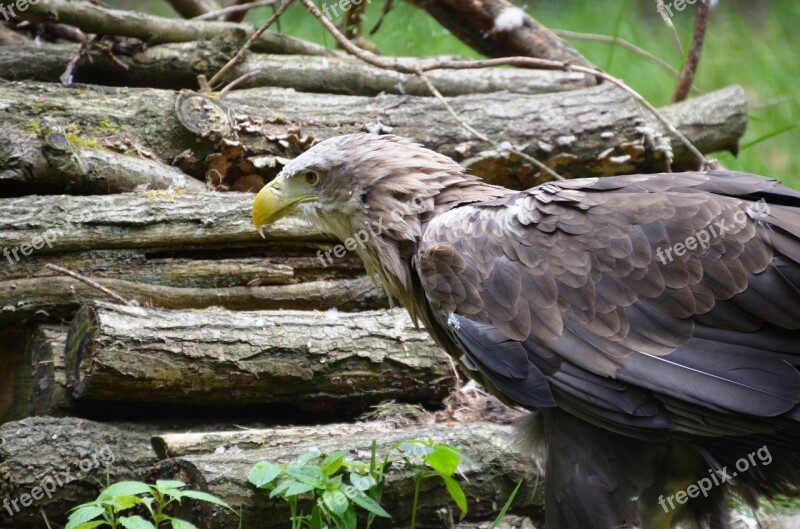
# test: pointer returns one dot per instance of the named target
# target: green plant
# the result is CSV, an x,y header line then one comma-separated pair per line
x,y
125,495
435,459
334,500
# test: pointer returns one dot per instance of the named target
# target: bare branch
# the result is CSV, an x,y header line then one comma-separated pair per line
x,y
239,9
594,37
246,46
92,283
666,15
193,8
528,62
690,67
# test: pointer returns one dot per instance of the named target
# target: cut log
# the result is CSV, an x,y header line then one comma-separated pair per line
x,y
37,448
488,480
68,457
178,65
336,363
596,131
39,386
152,29
55,165
167,250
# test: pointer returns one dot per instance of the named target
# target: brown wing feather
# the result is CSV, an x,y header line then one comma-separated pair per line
x,y
584,275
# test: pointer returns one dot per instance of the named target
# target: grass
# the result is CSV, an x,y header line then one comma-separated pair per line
x,y
762,55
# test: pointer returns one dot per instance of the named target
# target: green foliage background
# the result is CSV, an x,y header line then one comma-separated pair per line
x,y
752,43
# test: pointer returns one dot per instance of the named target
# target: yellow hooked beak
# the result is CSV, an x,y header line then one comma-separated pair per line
x,y
274,202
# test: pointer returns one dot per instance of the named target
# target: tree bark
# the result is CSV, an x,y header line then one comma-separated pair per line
x,y
69,456
497,28
167,250
39,385
152,29
338,363
35,449
177,66
495,470
57,165
595,131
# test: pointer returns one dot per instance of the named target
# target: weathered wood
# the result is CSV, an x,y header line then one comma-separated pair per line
x,y
495,470
178,65
199,359
67,456
34,449
498,28
96,19
56,165
39,385
167,250
587,132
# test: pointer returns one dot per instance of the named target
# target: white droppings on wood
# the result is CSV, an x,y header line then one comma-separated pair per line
x,y
509,19
620,159
565,141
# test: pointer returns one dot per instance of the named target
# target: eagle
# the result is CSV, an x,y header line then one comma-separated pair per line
x,y
651,321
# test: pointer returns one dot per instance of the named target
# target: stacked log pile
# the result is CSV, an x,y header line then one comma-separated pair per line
x,y
141,187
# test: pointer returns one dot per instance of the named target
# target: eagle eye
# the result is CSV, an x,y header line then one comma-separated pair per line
x,y
311,177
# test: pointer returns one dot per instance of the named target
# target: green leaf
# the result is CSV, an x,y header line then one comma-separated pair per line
x,y
83,514
281,488
309,474
505,508
444,459
316,518
415,448
204,496
335,501
346,521
167,484
457,493
362,483
365,502
91,525
333,462
182,524
302,459
135,522
125,488
123,503
296,488
264,473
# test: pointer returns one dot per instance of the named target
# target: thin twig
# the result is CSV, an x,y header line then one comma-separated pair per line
x,y
427,65
246,46
92,283
236,9
667,16
230,86
608,39
695,52
480,135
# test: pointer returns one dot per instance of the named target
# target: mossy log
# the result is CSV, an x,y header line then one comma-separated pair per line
x,y
596,131
38,449
334,363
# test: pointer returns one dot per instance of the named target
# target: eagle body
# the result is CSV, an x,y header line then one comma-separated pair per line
x,y
651,321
